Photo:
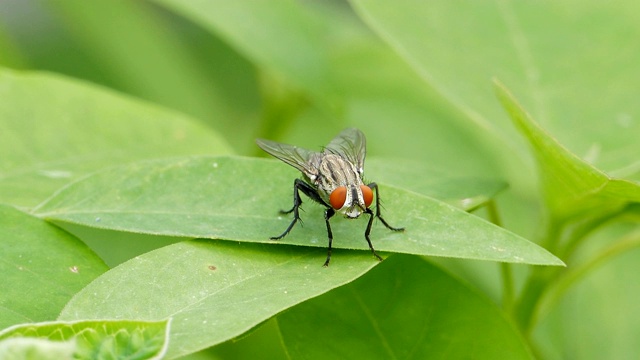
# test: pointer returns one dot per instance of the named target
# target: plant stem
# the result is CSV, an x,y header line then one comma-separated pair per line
x,y
508,292
554,292
538,280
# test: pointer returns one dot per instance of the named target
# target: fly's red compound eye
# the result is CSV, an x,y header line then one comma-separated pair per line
x,y
338,197
367,195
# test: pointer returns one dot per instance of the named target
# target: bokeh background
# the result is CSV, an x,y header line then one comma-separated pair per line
x,y
415,76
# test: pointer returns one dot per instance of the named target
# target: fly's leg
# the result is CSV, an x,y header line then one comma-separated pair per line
x,y
375,186
298,185
367,232
328,213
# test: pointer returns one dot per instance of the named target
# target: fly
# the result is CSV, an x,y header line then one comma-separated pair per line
x,y
332,178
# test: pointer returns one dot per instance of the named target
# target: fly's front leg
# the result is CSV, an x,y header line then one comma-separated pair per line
x,y
375,186
297,201
368,231
328,213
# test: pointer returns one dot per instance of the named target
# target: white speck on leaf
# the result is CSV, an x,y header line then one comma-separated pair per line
x,y
56,174
593,153
466,202
624,120
74,269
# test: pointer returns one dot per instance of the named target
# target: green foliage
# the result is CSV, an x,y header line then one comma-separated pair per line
x,y
160,177
414,325
104,339
42,268
225,198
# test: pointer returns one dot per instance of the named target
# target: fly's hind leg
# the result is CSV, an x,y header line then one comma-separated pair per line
x,y
298,185
375,186
328,213
368,231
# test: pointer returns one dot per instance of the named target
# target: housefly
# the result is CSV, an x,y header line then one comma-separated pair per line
x,y
332,178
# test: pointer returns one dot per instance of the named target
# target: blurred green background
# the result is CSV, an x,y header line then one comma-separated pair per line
x,y
415,77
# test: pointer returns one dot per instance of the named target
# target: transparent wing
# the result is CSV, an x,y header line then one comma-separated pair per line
x,y
350,144
295,156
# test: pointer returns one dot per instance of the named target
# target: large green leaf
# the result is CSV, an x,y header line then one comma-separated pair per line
x,y
105,339
238,199
56,130
213,290
402,309
568,62
571,185
42,267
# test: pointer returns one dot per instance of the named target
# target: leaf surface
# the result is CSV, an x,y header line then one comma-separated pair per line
x,y
213,290
238,198
571,185
42,267
543,50
55,130
405,308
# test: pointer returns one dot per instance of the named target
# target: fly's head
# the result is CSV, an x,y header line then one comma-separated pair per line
x,y
339,182
351,200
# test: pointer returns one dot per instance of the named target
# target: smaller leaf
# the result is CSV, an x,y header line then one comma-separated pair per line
x,y
103,339
36,349
237,198
213,290
571,185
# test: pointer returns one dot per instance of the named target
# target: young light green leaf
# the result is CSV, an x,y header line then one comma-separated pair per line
x,y
19,348
55,130
238,198
405,308
213,290
571,185
102,339
42,267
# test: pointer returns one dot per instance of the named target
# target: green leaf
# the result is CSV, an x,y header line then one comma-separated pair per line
x,y
238,198
571,185
609,294
55,131
35,349
405,308
42,267
104,339
213,290
538,47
